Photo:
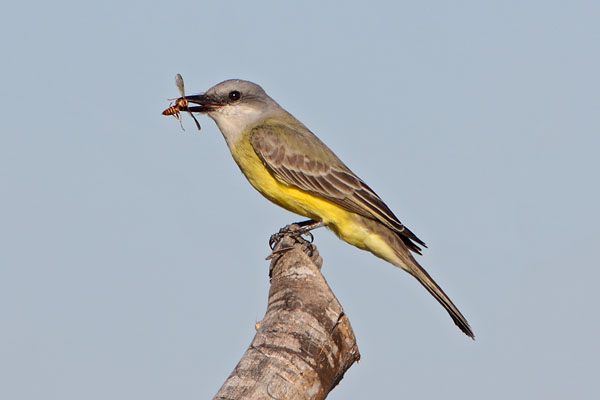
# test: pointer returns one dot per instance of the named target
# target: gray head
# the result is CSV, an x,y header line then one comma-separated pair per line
x,y
235,105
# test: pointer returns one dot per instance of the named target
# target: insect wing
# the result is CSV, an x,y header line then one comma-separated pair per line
x,y
179,84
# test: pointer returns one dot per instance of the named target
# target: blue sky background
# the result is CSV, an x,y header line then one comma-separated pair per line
x,y
132,253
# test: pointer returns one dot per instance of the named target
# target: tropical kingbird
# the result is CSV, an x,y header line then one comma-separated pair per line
x,y
290,166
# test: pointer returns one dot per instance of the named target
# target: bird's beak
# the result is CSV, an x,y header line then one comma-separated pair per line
x,y
206,104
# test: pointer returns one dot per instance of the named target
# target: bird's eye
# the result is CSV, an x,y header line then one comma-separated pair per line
x,y
234,95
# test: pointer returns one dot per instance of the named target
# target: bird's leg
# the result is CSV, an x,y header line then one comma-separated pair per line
x,y
309,224
304,229
295,232
305,223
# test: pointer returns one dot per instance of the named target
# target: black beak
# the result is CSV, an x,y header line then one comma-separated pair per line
x,y
206,104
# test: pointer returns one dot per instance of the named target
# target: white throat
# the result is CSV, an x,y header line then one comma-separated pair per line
x,y
234,120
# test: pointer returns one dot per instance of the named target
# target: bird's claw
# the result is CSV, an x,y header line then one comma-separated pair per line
x,y
294,234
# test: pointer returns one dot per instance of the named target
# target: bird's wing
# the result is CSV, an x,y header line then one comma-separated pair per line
x,y
296,157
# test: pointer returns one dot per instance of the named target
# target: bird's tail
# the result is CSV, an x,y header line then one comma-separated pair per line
x,y
427,281
407,262
389,245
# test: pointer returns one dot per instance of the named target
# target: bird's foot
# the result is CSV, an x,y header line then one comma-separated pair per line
x,y
295,231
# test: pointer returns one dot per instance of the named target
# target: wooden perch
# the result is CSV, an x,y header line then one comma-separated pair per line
x,y
305,343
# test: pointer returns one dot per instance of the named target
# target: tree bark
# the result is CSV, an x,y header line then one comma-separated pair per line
x,y
305,343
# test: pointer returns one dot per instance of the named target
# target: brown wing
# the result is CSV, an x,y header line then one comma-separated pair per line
x,y
295,156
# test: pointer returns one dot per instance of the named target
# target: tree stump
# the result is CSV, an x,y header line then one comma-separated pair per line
x,y
305,343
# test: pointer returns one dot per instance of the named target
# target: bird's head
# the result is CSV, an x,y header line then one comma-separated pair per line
x,y
235,105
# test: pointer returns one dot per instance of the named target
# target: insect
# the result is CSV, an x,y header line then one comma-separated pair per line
x,y
181,104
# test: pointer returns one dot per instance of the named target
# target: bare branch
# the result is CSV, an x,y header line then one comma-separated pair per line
x,y
305,343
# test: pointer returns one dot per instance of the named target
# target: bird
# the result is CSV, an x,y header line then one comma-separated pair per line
x,y
290,166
